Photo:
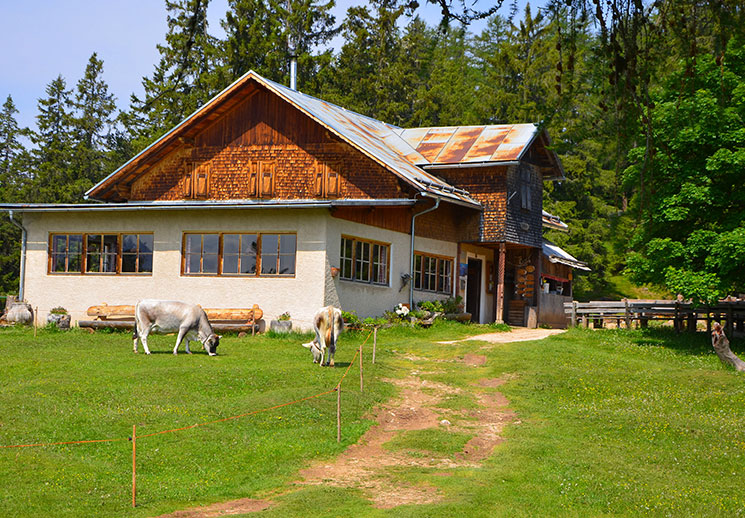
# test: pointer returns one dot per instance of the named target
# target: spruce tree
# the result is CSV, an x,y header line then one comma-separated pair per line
x,y
92,125
11,151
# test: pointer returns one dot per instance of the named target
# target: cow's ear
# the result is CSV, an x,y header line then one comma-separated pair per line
x,y
307,345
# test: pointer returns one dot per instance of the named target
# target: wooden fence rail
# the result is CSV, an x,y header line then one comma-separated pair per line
x,y
682,314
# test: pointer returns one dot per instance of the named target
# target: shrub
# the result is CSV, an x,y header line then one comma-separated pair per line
x,y
351,319
59,310
453,304
284,316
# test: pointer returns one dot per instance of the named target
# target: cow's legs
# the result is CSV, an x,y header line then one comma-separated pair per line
x,y
143,339
188,351
181,334
332,350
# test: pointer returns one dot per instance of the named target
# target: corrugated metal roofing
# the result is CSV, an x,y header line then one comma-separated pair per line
x,y
470,144
376,139
551,221
402,151
558,255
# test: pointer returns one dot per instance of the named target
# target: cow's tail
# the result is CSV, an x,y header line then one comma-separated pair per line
x,y
330,339
135,335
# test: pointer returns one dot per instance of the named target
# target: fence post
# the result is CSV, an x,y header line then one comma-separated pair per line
x,y
677,317
628,315
36,320
361,376
338,413
574,313
134,465
375,342
253,320
730,323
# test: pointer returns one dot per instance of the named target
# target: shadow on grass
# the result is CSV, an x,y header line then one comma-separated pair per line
x,y
696,344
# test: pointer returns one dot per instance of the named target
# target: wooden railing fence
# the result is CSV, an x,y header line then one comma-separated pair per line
x,y
684,315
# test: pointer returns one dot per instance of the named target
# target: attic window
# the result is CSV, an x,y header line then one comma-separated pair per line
x,y
197,180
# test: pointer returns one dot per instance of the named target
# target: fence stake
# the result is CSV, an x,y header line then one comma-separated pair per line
x,y
574,313
36,321
375,342
628,316
253,320
361,384
134,464
338,413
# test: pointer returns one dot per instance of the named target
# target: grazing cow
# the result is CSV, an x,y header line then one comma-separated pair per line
x,y
328,325
168,316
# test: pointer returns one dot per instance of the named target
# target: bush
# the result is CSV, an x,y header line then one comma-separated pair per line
x,y
351,319
453,304
284,316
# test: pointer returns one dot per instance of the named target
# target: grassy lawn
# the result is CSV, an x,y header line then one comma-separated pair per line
x,y
611,423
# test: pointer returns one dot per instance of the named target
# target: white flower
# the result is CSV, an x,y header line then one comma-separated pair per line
x,y
401,310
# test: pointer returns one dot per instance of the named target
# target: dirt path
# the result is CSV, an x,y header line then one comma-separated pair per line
x,y
517,334
370,466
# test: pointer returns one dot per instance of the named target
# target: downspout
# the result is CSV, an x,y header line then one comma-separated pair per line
x,y
24,236
411,264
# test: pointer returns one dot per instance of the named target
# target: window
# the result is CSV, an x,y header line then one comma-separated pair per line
x,y
433,273
525,191
101,253
364,261
67,253
239,254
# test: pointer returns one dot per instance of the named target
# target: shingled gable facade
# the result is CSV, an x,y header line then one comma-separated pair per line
x,y
268,196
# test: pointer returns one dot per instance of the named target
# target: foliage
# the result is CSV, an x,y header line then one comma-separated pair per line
x,y
433,306
374,321
501,327
284,316
692,237
401,310
351,319
58,310
453,304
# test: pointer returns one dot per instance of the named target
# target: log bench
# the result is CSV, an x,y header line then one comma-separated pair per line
x,y
234,320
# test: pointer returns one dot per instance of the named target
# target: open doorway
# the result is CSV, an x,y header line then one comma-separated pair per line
x,y
473,289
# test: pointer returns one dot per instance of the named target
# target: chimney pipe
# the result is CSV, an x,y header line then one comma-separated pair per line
x,y
293,72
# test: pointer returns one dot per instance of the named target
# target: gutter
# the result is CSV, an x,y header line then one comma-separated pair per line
x,y
460,165
411,263
24,239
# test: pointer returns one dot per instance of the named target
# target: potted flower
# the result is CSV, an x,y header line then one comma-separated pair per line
x,y
59,317
282,324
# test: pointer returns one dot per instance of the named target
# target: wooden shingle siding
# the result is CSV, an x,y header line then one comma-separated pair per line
x,y
264,148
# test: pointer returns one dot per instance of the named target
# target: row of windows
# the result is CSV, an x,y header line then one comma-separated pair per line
x,y
254,254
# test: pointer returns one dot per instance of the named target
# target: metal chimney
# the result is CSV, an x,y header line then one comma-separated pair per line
x,y
293,72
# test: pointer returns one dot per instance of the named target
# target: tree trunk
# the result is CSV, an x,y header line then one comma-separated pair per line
x,y
721,345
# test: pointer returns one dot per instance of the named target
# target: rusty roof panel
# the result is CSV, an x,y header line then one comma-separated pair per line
x,y
413,136
487,143
434,141
459,144
516,141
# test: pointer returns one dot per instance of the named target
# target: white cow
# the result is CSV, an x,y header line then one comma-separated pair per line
x,y
169,316
328,325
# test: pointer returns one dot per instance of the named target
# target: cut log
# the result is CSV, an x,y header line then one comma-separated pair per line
x,y
530,268
106,312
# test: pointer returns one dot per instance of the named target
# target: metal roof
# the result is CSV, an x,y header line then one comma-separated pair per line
x,y
404,152
554,222
374,138
558,255
470,144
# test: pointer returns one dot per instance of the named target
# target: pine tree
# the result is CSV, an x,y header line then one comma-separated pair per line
x,y
183,79
11,151
52,158
92,125
262,35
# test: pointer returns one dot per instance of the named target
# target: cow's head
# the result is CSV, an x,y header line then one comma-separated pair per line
x,y
315,349
210,345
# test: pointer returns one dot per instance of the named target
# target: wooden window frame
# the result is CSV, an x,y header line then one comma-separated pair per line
x,y
370,264
220,255
419,274
84,253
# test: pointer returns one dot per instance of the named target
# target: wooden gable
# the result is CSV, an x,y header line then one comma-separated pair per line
x,y
259,147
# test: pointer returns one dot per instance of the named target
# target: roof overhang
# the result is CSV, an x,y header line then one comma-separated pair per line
x,y
204,205
556,254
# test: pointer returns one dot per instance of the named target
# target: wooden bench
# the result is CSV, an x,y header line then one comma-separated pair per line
x,y
222,319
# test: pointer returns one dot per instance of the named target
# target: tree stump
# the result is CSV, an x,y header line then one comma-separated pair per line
x,y
720,343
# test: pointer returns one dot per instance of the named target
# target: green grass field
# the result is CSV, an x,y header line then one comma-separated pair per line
x,y
611,423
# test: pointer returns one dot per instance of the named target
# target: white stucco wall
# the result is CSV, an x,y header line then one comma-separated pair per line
x,y
318,249
372,300
301,295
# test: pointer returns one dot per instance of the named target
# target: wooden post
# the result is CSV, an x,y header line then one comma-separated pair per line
x,y
730,323
338,413
628,315
36,321
692,322
677,317
499,317
574,313
253,320
708,322
134,465
375,342
362,388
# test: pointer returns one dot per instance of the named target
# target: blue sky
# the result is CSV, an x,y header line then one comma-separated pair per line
x,y
43,38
